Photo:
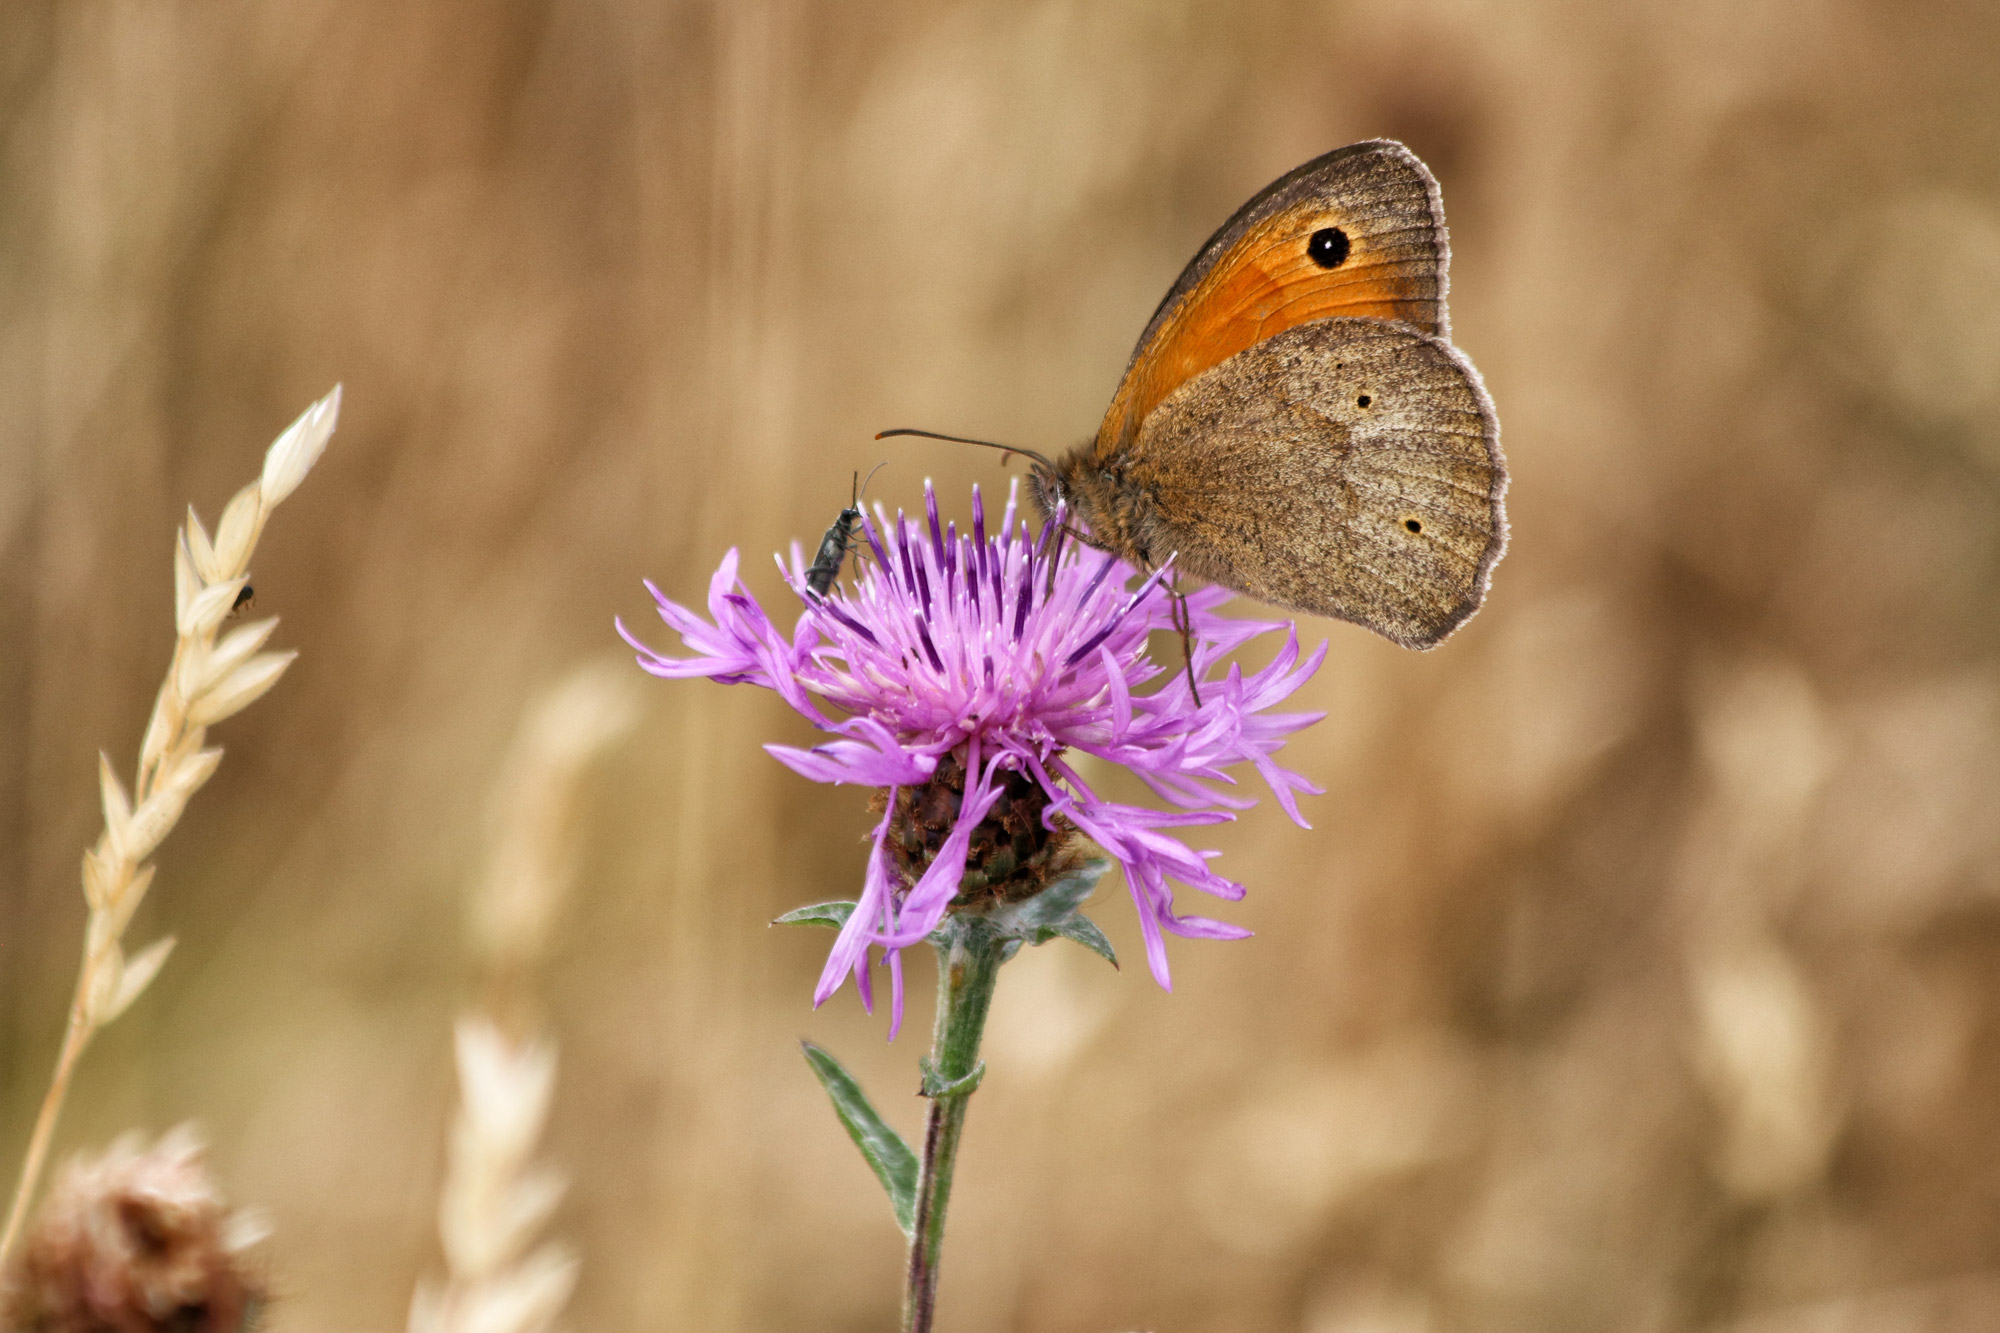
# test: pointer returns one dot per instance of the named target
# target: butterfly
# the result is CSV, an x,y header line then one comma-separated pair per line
x,y
1295,422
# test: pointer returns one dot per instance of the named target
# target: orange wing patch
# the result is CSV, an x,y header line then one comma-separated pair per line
x,y
1391,268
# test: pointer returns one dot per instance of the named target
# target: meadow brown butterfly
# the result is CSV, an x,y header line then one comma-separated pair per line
x,y
1295,423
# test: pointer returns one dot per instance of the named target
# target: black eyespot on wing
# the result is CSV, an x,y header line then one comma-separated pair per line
x,y
1328,247
1363,400
1414,525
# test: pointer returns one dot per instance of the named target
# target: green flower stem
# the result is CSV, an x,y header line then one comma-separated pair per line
x,y
968,966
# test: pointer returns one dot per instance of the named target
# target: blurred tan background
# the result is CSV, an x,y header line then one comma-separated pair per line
x,y
1643,967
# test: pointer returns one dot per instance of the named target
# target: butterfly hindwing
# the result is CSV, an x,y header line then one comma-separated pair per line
x,y
1343,467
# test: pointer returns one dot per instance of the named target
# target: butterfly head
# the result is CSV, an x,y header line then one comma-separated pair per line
x,y
1099,501
1048,489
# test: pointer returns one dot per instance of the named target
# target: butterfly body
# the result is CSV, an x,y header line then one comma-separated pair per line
x,y
1295,423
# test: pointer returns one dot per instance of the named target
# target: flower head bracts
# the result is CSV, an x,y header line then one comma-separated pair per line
x,y
996,648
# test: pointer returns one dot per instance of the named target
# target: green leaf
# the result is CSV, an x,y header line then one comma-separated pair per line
x,y
1085,932
1060,900
819,914
890,1158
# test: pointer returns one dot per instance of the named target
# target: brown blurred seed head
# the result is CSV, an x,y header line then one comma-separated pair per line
x,y
135,1240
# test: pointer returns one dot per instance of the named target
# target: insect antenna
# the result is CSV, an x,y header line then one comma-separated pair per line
x,y
862,489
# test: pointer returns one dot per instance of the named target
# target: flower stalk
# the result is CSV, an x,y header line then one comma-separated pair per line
x,y
968,967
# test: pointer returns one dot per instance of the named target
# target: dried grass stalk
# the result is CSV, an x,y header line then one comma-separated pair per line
x,y
209,679
532,844
495,1198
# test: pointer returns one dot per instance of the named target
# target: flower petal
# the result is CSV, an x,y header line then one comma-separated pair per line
x,y
873,762
850,947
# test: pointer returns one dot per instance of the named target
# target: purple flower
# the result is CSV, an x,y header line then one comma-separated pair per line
x,y
961,673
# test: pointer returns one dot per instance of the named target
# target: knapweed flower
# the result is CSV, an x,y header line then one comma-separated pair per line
x,y
961,674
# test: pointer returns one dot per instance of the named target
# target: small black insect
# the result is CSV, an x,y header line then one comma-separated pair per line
x,y
833,547
246,597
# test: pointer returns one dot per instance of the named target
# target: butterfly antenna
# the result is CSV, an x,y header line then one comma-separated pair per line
x,y
960,439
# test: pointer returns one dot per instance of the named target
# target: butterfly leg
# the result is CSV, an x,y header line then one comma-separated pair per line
x,y
1184,622
1083,537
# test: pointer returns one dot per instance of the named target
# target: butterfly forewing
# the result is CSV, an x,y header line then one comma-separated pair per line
x,y
1344,467
1358,232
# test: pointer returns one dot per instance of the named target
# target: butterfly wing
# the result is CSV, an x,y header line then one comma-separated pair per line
x,y
1376,213
1344,467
